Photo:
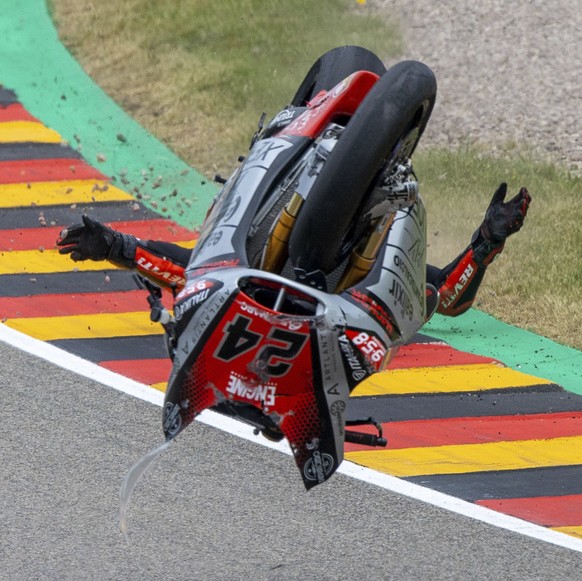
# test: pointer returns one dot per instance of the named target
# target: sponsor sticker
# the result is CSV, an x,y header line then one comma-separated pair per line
x,y
318,467
261,393
370,346
172,420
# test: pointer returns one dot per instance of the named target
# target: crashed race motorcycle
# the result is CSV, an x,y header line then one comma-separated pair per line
x,y
310,267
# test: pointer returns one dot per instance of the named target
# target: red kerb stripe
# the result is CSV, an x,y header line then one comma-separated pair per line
x,y
47,170
455,431
146,371
63,305
15,112
549,511
433,355
46,237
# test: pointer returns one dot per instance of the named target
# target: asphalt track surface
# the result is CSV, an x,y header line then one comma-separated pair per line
x,y
213,506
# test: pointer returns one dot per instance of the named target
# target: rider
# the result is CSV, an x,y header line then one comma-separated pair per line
x,y
164,262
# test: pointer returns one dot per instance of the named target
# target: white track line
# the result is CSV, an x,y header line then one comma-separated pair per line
x,y
92,371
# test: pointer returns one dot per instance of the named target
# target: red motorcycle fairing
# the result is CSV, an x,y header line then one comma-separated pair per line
x,y
272,351
235,350
342,100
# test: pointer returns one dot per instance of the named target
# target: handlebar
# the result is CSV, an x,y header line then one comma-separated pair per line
x,y
364,439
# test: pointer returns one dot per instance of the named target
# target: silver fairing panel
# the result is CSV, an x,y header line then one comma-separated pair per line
x,y
398,279
224,232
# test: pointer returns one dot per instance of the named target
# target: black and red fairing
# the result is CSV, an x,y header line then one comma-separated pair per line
x,y
224,234
330,106
234,350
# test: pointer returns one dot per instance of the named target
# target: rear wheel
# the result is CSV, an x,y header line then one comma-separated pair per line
x,y
383,132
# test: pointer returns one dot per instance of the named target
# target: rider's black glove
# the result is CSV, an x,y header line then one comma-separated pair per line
x,y
92,240
501,220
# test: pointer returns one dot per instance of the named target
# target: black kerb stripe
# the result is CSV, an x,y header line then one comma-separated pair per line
x,y
22,285
527,483
537,399
7,97
64,215
24,151
115,348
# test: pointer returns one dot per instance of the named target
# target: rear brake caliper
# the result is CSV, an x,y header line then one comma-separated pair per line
x,y
398,189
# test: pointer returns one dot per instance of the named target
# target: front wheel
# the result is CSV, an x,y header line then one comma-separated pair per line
x,y
383,132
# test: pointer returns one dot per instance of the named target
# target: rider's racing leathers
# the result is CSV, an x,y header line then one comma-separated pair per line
x,y
457,283
164,263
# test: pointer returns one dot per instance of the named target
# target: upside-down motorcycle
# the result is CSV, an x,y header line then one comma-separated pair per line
x,y
310,268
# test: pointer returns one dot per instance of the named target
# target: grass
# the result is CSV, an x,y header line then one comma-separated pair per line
x,y
198,74
535,283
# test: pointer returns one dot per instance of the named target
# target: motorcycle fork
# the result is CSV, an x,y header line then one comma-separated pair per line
x,y
362,258
275,253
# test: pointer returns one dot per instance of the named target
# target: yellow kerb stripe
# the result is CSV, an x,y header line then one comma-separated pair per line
x,y
43,262
24,131
61,192
160,386
101,325
573,531
460,459
445,379
50,261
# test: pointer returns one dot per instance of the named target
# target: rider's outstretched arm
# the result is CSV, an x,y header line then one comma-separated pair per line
x,y
161,262
459,281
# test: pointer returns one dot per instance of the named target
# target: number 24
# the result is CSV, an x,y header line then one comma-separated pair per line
x,y
239,339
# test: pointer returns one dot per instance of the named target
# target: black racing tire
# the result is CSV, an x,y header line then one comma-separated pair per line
x,y
384,131
333,67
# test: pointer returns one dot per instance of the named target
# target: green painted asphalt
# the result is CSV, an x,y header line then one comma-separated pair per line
x,y
477,332
52,86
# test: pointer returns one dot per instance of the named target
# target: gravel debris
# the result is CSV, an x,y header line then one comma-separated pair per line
x,y
509,72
